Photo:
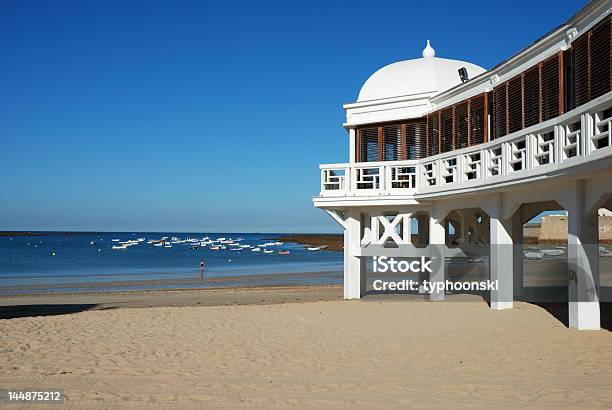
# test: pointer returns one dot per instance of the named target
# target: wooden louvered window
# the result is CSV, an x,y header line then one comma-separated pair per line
x,y
580,71
531,96
446,130
461,125
600,54
368,144
433,139
392,142
590,65
414,140
549,105
500,111
477,120
515,104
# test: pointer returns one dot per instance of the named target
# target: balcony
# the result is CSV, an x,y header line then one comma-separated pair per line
x,y
560,145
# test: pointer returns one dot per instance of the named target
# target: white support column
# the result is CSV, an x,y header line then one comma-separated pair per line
x,y
517,262
583,262
437,245
354,266
501,261
501,257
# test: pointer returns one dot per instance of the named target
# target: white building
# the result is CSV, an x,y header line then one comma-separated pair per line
x,y
472,161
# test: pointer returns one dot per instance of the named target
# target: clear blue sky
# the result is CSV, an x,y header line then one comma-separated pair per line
x,y
207,116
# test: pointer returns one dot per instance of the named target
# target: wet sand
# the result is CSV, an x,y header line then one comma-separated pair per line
x,y
54,304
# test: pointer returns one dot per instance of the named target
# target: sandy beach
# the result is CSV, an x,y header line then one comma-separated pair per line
x,y
299,347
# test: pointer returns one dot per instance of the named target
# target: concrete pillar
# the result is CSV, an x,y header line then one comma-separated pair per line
x,y
437,247
354,266
517,260
583,262
500,262
423,238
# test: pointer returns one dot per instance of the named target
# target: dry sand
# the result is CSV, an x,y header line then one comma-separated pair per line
x,y
374,353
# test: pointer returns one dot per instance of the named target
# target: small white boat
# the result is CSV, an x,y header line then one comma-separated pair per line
x,y
117,247
284,253
236,249
553,252
256,250
533,255
215,248
268,251
115,240
317,248
604,252
140,239
158,244
167,245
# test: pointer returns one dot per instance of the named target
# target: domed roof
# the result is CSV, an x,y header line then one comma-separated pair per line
x,y
421,75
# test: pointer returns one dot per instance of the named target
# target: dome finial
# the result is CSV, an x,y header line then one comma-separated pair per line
x,y
428,51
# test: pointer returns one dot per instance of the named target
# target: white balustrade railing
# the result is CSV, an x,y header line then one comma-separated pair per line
x,y
335,179
578,133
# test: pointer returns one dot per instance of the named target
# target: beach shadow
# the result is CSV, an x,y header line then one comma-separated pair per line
x,y
559,310
17,311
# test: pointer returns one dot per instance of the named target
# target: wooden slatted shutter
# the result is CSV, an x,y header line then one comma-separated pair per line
x,y
515,104
477,120
568,90
500,111
368,144
392,142
446,130
461,125
549,105
415,140
580,70
600,59
433,121
531,96
421,137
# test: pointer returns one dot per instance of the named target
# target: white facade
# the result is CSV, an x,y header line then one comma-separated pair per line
x,y
565,161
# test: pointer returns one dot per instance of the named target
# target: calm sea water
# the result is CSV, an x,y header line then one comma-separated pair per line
x,y
56,262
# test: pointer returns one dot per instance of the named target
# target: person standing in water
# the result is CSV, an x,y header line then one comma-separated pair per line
x,y
202,266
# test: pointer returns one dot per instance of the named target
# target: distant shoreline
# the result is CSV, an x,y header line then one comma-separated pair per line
x,y
334,242
46,233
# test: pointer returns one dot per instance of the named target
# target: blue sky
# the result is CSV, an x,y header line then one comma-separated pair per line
x,y
207,116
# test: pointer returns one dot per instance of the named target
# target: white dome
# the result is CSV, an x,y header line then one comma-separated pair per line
x,y
421,75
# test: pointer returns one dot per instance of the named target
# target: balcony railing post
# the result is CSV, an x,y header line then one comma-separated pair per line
x,y
347,179
558,154
586,135
323,181
531,148
483,165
